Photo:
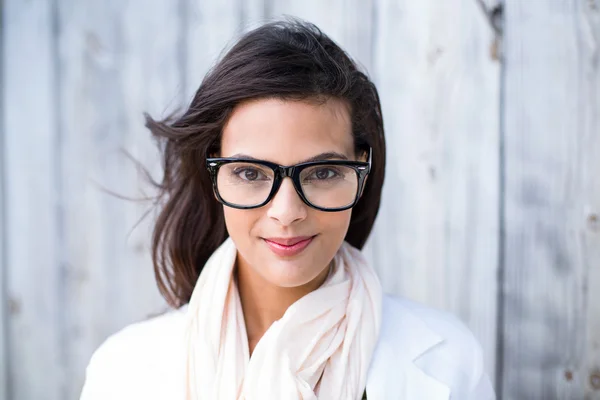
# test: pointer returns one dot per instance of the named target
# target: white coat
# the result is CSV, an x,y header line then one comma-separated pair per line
x,y
422,353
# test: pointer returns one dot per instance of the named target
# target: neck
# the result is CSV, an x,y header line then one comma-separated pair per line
x,y
263,302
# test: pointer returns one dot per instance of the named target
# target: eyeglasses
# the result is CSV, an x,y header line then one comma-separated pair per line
x,y
332,185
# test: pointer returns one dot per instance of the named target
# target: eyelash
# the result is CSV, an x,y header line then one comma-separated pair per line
x,y
328,169
236,172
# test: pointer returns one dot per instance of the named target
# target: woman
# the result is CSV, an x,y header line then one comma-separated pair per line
x,y
272,183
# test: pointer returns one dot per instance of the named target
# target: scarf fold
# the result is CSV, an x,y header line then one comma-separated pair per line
x,y
320,349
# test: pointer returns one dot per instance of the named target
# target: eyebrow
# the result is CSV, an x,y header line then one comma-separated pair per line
x,y
330,155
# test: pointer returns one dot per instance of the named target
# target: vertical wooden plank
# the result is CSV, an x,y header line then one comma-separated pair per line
x,y
587,18
152,81
211,28
4,356
436,239
32,197
116,62
552,124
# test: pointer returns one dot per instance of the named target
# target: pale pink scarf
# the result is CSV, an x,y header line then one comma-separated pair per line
x,y
330,332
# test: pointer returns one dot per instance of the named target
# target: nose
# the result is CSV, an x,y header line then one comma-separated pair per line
x,y
287,207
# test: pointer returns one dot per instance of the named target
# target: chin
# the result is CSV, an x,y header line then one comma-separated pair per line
x,y
291,273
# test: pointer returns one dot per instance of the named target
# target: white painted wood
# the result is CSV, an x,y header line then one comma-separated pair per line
x,y
4,355
552,128
116,63
211,28
3,238
253,13
35,281
436,240
349,23
587,15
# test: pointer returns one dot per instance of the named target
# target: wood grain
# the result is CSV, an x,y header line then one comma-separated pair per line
x,y
35,279
551,119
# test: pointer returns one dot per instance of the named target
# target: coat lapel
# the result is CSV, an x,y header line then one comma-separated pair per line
x,y
393,373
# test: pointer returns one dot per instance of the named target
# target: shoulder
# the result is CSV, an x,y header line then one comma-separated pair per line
x,y
438,343
452,331
142,341
146,351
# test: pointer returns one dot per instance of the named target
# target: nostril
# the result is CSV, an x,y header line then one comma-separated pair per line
x,y
287,206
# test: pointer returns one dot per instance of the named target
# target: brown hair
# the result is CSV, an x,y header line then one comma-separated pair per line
x,y
291,60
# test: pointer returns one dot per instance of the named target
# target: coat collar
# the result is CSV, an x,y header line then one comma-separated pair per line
x,y
403,338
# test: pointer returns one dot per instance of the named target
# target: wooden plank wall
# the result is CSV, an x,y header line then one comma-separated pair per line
x,y
491,207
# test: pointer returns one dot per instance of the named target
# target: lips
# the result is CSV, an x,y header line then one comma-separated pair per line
x,y
288,241
287,247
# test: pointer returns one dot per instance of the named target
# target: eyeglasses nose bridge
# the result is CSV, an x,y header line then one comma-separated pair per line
x,y
286,171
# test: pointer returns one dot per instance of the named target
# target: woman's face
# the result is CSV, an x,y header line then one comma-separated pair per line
x,y
287,133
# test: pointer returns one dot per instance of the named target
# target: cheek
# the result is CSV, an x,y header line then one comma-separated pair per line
x,y
333,226
239,223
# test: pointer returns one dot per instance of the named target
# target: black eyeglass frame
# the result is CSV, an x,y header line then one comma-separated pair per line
x,y
280,172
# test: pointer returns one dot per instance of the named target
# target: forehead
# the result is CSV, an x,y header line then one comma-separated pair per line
x,y
286,131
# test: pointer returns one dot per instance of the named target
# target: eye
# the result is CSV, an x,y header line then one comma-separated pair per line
x,y
324,173
249,174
